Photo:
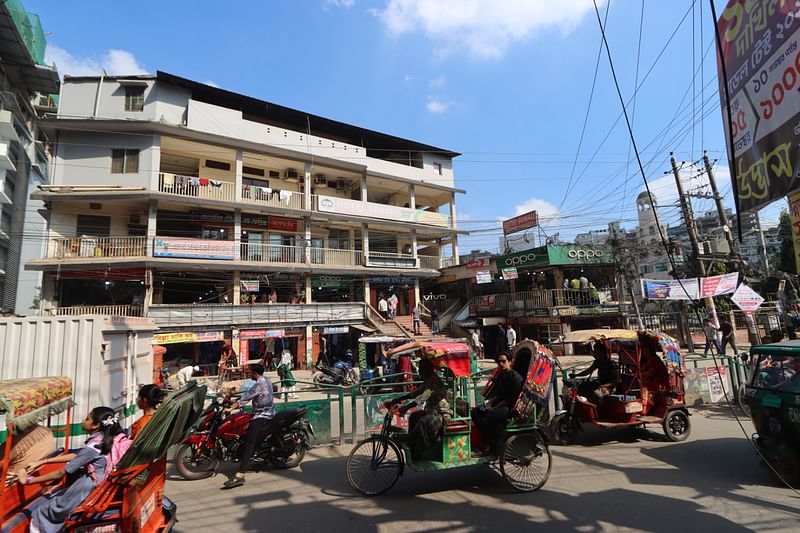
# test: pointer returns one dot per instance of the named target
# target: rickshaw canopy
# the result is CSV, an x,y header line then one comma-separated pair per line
x,y
452,355
24,402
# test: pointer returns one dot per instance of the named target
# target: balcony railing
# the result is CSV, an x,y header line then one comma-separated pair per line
x,y
392,260
272,197
544,299
333,257
433,262
113,310
346,206
181,315
276,253
73,247
209,189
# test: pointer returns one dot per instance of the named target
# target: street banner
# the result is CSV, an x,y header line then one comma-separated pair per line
x,y
759,52
671,289
510,273
478,263
525,221
747,299
483,276
719,285
794,213
248,285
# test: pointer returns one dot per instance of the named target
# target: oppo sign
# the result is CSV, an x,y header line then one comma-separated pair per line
x,y
519,260
585,254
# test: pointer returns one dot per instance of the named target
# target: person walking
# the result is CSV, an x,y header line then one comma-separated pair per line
x,y
393,301
511,337
262,396
288,381
501,342
434,322
184,375
710,331
383,307
477,345
415,319
728,337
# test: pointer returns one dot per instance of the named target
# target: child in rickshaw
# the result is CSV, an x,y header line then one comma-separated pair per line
x,y
84,471
501,395
425,426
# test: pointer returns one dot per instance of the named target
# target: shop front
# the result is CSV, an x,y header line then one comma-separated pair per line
x,y
101,287
255,287
181,348
336,288
401,287
267,345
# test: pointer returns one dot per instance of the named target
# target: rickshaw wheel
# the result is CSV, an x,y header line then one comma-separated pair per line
x,y
677,426
741,400
526,461
374,466
564,428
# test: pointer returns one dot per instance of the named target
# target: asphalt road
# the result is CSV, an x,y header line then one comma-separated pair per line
x,y
614,480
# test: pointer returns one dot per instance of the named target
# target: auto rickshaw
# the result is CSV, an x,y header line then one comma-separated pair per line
x,y
773,395
377,462
650,389
23,404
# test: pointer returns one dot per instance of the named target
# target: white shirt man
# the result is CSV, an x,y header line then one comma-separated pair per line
x,y
511,336
184,375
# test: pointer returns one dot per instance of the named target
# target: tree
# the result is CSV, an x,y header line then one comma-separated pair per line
x,y
785,261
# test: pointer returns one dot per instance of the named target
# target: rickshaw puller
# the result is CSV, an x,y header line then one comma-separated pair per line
x,y
262,397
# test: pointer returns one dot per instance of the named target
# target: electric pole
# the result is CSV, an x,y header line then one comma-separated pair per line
x,y
688,217
723,218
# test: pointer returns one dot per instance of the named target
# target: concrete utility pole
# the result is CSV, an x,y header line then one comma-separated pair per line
x,y
723,218
688,217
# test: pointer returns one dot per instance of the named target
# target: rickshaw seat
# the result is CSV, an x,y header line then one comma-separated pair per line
x,y
457,426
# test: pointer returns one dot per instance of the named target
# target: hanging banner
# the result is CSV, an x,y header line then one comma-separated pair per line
x,y
187,336
718,285
478,263
510,273
747,299
249,285
794,213
483,276
671,289
525,221
760,54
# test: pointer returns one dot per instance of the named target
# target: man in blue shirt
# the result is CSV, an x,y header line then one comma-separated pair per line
x,y
261,395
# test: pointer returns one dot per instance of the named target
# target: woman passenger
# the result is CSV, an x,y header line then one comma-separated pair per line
x,y
148,400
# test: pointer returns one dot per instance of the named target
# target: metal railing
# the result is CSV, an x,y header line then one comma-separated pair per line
x,y
266,196
81,247
179,315
113,310
389,259
335,257
210,189
433,262
272,253
544,298
449,262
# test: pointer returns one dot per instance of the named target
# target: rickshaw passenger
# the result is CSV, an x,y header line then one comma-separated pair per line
x,y
28,447
425,426
607,375
148,400
491,417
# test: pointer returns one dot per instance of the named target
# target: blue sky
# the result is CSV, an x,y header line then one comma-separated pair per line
x,y
505,82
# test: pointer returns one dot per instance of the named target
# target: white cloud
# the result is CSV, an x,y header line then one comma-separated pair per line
x,y
407,77
437,82
115,62
339,3
548,213
437,106
482,28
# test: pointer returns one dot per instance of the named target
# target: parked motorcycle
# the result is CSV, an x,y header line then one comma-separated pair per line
x,y
219,436
341,373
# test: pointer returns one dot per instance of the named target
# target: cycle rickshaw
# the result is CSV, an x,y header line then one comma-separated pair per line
x,y
377,462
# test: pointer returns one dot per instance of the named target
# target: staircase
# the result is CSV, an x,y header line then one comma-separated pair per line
x,y
407,322
386,327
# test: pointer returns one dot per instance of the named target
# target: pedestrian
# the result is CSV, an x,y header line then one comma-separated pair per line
x,y
477,345
575,284
288,381
710,331
501,344
383,307
185,374
261,395
584,282
435,322
415,319
323,349
511,337
728,337
393,301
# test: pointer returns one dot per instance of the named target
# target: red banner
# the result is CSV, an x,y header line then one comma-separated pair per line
x,y
521,222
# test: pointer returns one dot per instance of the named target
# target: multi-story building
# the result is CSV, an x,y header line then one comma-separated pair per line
x,y
216,214
25,83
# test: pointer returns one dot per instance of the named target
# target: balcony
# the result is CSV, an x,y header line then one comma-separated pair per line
x,y
265,196
183,315
431,262
7,130
275,253
5,157
543,299
83,247
192,187
390,260
112,310
345,206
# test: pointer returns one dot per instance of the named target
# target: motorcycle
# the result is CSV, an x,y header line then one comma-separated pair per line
x,y
219,436
342,373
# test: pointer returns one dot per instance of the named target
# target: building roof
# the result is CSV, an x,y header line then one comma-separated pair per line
x,y
286,117
644,195
15,51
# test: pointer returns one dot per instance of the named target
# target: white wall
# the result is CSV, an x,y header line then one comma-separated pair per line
x,y
85,159
64,219
78,99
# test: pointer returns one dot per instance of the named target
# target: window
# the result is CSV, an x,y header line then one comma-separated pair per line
x,y
219,165
339,239
253,171
94,225
134,98
437,168
124,161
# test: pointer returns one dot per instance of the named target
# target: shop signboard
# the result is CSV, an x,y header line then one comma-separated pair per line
x,y
345,206
510,273
335,330
478,263
261,333
718,285
759,52
794,213
188,336
384,280
565,311
524,259
483,276
248,285
522,222
281,224
580,255
193,248
326,281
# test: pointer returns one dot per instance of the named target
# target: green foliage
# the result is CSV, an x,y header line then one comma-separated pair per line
x,y
785,261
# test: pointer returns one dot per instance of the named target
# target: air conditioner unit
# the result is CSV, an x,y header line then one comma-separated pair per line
x,y
320,180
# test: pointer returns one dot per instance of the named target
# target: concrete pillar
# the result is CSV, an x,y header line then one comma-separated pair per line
x,y
307,239
352,246
416,291
454,236
309,346
308,287
152,214
307,205
412,196
366,291
414,247
237,287
148,291
154,164
237,189
237,234
364,187
365,241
